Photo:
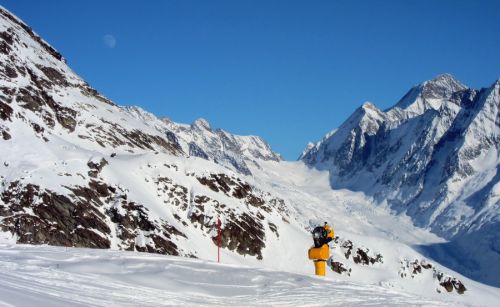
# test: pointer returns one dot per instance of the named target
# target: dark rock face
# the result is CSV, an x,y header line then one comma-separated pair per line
x,y
411,269
35,37
131,218
361,255
5,135
5,111
196,151
363,258
36,100
114,135
240,232
95,168
234,187
246,236
8,72
38,216
54,75
340,268
39,96
34,97
177,194
408,269
100,188
243,233
7,41
55,219
450,283
272,226
88,91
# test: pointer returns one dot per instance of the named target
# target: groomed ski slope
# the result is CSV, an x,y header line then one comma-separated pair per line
x,y
56,276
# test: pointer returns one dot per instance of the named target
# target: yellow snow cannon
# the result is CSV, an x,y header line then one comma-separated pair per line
x,y
320,253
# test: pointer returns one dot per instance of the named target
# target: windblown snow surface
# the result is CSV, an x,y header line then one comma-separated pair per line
x,y
55,276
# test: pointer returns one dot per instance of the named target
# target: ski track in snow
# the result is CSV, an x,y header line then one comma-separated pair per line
x,y
41,275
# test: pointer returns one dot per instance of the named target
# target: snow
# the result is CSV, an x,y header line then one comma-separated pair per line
x,y
41,275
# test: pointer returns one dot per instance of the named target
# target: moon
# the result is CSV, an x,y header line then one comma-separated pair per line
x,y
109,41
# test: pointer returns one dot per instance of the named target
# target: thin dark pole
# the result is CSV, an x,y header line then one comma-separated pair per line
x,y
218,240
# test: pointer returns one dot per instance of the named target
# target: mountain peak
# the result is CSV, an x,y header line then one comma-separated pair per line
x,y
445,77
201,124
369,106
441,86
418,97
140,114
306,150
368,111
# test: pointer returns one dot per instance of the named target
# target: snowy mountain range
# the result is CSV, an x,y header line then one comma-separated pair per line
x,y
434,156
78,170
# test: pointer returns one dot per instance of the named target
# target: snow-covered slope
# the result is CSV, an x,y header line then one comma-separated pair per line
x,y
435,157
78,170
57,277
63,143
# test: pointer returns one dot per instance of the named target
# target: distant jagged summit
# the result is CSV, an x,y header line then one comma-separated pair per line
x,y
441,87
429,94
201,124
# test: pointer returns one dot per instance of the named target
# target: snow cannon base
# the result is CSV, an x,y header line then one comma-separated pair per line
x,y
319,255
320,267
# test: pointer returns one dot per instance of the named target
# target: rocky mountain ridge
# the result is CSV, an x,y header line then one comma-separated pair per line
x,y
61,137
434,156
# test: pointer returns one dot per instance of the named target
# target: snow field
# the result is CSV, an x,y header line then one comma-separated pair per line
x,y
54,276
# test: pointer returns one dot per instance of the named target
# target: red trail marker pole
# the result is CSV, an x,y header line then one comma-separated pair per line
x,y
218,240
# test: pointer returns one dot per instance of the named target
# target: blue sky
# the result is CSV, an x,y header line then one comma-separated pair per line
x,y
289,71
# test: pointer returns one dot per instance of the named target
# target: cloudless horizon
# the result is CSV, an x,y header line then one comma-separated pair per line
x,y
288,71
